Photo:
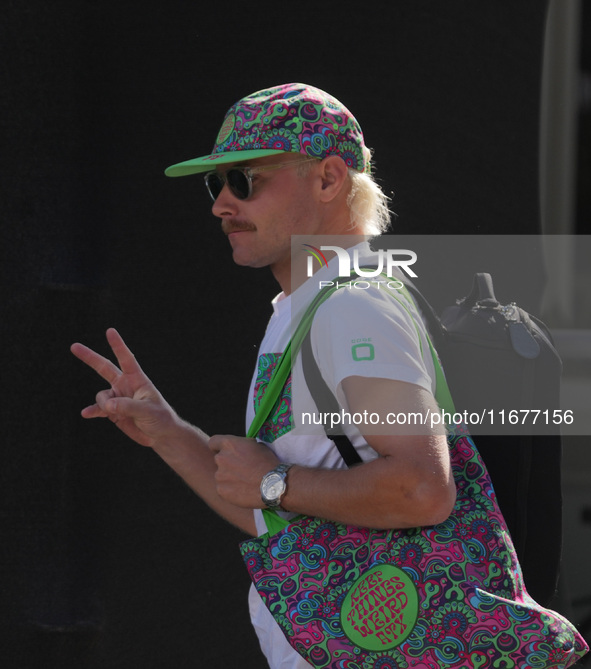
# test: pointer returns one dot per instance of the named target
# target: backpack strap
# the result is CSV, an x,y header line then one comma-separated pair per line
x,y
326,402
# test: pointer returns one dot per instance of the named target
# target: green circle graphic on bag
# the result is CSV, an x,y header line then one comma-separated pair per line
x,y
381,609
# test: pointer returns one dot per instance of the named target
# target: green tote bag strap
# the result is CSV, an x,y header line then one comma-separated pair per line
x,y
283,367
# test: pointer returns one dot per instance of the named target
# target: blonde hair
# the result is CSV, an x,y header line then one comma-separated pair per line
x,y
367,202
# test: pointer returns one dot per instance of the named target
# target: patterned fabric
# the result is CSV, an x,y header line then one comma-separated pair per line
x,y
279,421
294,118
449,596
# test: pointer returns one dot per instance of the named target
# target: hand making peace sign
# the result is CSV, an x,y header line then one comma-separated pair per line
x,y
133,403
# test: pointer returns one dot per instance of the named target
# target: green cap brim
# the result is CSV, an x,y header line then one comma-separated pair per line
x,y
208,163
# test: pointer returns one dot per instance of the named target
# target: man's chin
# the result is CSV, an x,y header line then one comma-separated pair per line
x,y
244,259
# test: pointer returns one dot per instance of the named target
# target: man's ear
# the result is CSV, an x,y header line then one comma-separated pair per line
x,y
334,174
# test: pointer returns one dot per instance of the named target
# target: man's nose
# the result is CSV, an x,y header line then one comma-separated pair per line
x,y
226,203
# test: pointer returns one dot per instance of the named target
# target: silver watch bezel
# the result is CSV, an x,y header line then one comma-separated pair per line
x,y
272,478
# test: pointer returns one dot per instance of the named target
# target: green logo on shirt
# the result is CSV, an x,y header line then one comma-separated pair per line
x,y
363,351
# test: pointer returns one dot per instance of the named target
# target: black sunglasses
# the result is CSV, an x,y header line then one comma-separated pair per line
x,y
239,179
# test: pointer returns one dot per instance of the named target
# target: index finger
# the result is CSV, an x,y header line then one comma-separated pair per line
x,y
101,365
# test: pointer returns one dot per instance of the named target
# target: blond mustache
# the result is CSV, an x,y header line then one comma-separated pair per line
x,y
231,225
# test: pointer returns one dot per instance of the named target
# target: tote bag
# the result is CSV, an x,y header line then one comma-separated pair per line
x,y
451,595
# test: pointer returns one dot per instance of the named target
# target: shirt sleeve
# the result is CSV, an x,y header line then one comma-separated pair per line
x,y
372,334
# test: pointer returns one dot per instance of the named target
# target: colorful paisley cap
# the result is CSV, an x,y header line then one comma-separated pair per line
x,y
293,118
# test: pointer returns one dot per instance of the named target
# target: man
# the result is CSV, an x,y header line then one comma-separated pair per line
x,y
292,161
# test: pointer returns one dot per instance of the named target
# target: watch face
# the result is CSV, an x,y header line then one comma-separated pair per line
x,y
274,486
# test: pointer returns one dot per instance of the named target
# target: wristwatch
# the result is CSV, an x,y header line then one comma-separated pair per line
x,y
274,485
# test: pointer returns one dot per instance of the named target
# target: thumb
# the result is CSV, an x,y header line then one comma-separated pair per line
x,y
125,407
215,443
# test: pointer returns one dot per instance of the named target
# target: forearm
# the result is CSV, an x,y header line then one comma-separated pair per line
x,y
388,492
185,449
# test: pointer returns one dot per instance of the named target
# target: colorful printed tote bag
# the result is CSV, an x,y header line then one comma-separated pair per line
x,y
447,596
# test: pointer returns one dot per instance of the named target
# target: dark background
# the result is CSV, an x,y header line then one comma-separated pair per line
x,y
106,558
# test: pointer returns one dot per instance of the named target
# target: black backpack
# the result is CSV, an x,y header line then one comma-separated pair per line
x,y
501,364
